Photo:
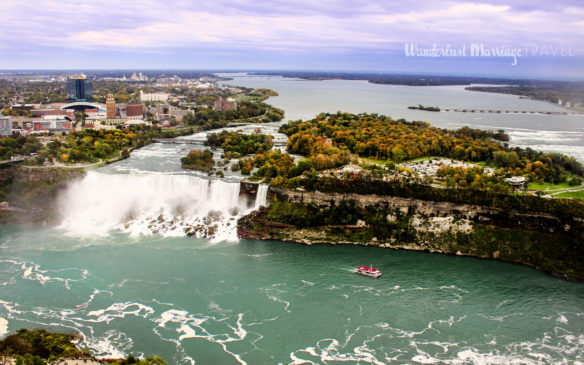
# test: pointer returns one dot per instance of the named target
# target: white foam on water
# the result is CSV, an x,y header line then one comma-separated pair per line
x,y
473,357
519,136
31,271
330,350
192,326
156,203
425,359
112,344
9,307
120,310
272,293
3,326
575,151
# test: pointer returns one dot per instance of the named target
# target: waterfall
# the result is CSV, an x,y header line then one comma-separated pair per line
x,y
261,197
157,203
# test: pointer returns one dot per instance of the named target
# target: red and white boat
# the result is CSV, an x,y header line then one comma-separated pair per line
x,y
368,271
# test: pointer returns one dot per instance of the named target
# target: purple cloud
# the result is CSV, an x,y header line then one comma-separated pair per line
x,y
285,27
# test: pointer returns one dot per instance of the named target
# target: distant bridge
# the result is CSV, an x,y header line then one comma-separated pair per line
x,y
504,111
177,141
193,141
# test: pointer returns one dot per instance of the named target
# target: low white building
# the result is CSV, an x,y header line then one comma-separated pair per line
x,y
516,181
154,96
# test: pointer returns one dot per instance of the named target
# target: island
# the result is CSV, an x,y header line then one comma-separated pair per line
x,y
426,108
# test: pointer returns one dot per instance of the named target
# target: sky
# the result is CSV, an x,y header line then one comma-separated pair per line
x,y
536,38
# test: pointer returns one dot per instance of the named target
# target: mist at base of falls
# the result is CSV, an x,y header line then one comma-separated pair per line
x,y
155,203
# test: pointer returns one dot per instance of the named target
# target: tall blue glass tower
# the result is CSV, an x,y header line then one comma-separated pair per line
x,y
79,89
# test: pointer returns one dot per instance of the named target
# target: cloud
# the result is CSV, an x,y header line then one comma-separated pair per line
x,y
302,33
293,25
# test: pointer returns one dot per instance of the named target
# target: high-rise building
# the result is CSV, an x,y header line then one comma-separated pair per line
x,y
110,106
5,126
79,89
221,105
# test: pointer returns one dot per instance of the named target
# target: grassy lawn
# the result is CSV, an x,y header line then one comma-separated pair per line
x,y
571,194
421,159
373,161
550,186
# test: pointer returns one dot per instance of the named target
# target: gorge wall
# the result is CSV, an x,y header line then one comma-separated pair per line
x,y
534,239
31,193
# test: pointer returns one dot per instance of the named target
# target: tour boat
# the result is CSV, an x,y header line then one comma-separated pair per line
x,y
368,271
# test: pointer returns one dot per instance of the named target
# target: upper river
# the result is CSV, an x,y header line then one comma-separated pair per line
x,y
304,99
120,271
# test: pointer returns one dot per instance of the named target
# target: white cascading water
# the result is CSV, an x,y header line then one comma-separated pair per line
x,y
262,196
165,204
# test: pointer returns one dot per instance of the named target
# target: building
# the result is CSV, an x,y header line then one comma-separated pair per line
x,y
5,126
53,123
25,107
517,181
162,108
154,96
138,77
53,110
225,105
79,89
112,122
134,110
24,123
178,113
110,106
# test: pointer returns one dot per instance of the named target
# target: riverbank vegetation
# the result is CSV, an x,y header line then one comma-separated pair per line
x,y
247,112
34,346
38,347
201,160
85,146
260,94
17,144
242,144
331,137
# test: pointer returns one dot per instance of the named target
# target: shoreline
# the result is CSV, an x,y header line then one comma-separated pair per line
x,y
415,248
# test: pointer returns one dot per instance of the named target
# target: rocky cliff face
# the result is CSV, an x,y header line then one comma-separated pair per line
x,y
31,192
538,240
429,209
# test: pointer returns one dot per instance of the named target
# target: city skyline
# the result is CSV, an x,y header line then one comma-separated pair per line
x,y
282,35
